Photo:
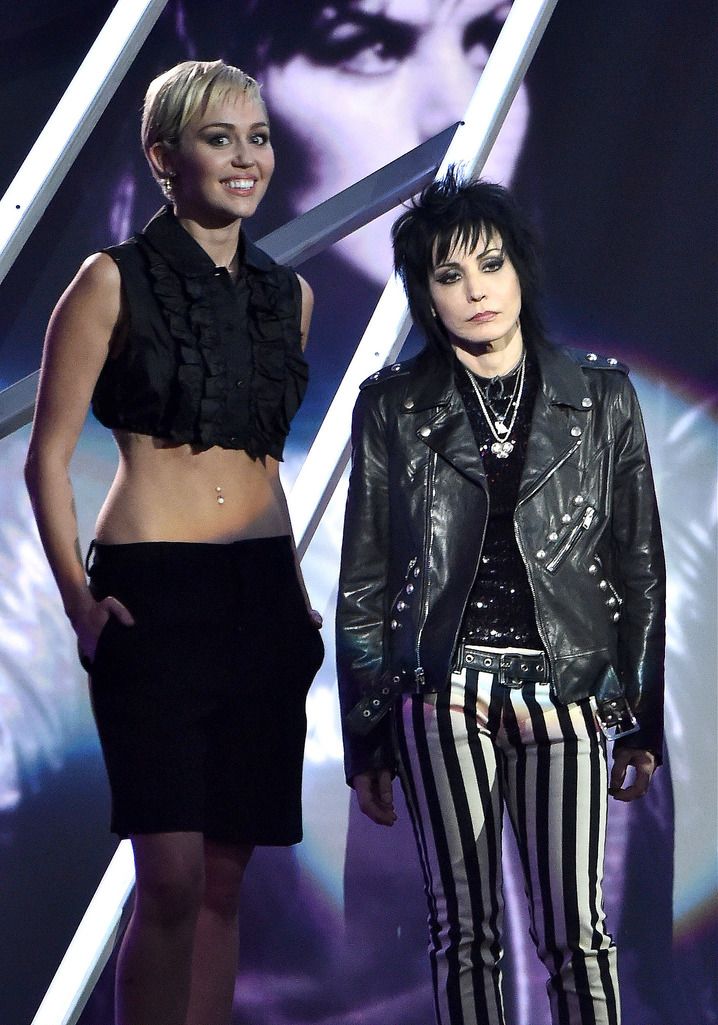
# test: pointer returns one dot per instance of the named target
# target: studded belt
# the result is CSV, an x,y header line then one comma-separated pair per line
x,y
513,668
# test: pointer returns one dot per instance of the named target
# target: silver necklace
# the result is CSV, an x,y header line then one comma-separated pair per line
x,y
502,447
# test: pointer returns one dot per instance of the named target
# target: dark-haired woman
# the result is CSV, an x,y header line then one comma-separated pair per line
x,y
195,627
501,607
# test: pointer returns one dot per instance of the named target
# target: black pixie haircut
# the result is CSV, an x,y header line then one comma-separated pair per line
x,y
461,211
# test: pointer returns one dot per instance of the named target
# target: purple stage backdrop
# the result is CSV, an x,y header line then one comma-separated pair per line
x,y
611,145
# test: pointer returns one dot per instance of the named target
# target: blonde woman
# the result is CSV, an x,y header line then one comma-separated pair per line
x,y
195,626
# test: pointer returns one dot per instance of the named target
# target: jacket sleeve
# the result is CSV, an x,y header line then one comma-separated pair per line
x,y
361,604
640,563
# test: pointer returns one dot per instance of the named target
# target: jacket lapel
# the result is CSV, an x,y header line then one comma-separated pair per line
x,y
441,422
439,417
560,406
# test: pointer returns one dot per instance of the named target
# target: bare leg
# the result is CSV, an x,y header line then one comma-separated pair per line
x,y
154,965
216,943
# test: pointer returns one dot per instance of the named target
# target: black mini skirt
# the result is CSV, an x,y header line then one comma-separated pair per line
x,y
200,706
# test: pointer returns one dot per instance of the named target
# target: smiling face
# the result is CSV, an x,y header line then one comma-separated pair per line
x,y
378,78
477,296
223,162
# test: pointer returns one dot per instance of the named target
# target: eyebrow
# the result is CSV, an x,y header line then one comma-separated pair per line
x,y
485,252
228,124
383,19
379,21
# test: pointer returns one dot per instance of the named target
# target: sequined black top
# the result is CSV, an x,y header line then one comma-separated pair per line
x,y
500,611
203,359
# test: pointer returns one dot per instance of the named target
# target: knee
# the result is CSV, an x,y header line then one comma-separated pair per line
x,y
171,898
221,894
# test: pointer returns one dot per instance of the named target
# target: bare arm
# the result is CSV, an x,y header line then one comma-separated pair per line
x,y
273,465
273,471
76,347
307,308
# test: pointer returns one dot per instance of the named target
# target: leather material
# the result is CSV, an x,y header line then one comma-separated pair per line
x,y
513,668
586,524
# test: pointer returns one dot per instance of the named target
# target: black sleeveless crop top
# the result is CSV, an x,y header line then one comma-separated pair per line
x,y
204,360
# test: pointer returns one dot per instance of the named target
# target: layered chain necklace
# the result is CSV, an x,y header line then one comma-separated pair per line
x,y
502,424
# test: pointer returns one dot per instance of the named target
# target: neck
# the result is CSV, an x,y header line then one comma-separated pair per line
x,y
489,362
219,242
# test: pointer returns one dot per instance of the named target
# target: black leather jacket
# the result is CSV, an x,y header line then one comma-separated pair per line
x,y
586,524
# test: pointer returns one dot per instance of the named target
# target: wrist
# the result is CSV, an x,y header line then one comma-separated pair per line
x,y
76,602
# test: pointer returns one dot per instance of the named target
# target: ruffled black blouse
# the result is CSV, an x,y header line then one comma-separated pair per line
x,y
202,359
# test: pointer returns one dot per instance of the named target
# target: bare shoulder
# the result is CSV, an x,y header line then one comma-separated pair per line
x,y
94,294
99,274
100,268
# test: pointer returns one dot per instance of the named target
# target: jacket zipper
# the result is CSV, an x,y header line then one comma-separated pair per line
x,y
569,542
476,568
537,484
549,473
419,674
609,584
539,622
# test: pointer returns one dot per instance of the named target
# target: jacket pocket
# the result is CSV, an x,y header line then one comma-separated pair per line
x,y
575,533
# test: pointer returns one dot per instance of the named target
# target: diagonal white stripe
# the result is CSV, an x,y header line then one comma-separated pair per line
x,y
70,124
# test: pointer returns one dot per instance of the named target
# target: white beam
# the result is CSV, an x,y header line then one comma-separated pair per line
x,y
71,122
91,945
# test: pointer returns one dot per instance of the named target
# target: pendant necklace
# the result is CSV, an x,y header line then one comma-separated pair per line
x,y
501,447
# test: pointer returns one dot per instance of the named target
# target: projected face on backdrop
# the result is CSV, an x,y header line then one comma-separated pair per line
x,y
371,80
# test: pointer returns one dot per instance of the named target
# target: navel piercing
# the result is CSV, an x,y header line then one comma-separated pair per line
x,y
220,496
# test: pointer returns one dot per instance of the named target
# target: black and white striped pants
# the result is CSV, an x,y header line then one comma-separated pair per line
x,y
465,754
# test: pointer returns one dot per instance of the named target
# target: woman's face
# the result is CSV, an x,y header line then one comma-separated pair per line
x,y
477,297
381,77
223,163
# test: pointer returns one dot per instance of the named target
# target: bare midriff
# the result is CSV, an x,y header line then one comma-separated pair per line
x,y
168,492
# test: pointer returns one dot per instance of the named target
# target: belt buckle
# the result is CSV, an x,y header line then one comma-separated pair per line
x,y
512,682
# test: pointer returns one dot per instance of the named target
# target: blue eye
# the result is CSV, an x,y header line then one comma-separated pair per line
x,y
260,139
218,140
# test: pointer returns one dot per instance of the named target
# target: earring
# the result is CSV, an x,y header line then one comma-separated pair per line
x,y
167,184
433,312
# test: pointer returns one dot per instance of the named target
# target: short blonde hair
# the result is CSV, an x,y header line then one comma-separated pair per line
x,y
174,97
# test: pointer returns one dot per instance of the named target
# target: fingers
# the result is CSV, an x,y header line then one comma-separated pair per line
x,y
92,624
316,618
118,610
386,790
643,764
375,796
